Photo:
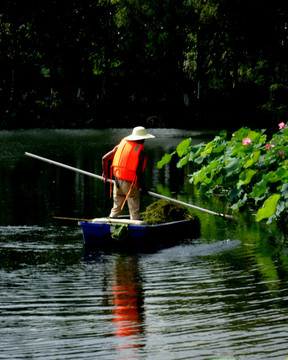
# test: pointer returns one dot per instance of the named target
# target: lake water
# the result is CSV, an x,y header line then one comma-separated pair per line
x,y
223,295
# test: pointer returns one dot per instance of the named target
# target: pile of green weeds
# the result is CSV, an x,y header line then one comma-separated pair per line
x,y
163,211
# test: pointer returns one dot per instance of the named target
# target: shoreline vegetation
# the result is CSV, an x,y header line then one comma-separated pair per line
x,y
248,170
120,63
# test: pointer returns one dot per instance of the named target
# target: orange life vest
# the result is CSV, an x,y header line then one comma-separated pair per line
x,y
126,160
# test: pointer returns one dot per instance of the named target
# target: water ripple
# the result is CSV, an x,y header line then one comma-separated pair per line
x,y
195,301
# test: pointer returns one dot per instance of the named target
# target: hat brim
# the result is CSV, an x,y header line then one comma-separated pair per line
x,y
139,137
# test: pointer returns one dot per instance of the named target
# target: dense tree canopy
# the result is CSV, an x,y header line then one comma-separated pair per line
x,y
169,62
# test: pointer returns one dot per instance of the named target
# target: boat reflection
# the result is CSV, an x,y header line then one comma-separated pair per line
x,y
128,302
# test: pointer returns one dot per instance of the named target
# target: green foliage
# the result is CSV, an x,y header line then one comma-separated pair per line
x,y
248,169
165,159
269,207
82,58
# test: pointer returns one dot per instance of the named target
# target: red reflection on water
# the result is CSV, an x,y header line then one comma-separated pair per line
x,y
127,299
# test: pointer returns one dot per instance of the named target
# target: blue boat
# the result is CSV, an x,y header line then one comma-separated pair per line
x,y
128,234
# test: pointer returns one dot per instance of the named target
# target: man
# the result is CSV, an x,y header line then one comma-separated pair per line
x,y
128,165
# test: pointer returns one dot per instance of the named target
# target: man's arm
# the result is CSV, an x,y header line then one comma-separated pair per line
x,y
105,160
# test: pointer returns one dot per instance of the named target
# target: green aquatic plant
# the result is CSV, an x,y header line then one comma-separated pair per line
x,y
248,169
163,211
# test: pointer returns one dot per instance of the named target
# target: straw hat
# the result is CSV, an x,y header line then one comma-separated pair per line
x,y
139,133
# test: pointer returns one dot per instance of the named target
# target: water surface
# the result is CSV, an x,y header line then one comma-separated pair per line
x,y
221,296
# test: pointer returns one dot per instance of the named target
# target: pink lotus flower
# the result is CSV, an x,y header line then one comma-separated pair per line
x,y
281,153
246,141
268,146
282,125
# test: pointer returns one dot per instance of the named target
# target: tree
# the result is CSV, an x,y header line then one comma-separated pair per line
x,y
79,63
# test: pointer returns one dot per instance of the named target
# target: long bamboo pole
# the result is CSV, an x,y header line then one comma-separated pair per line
x,y
227,217
66,166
